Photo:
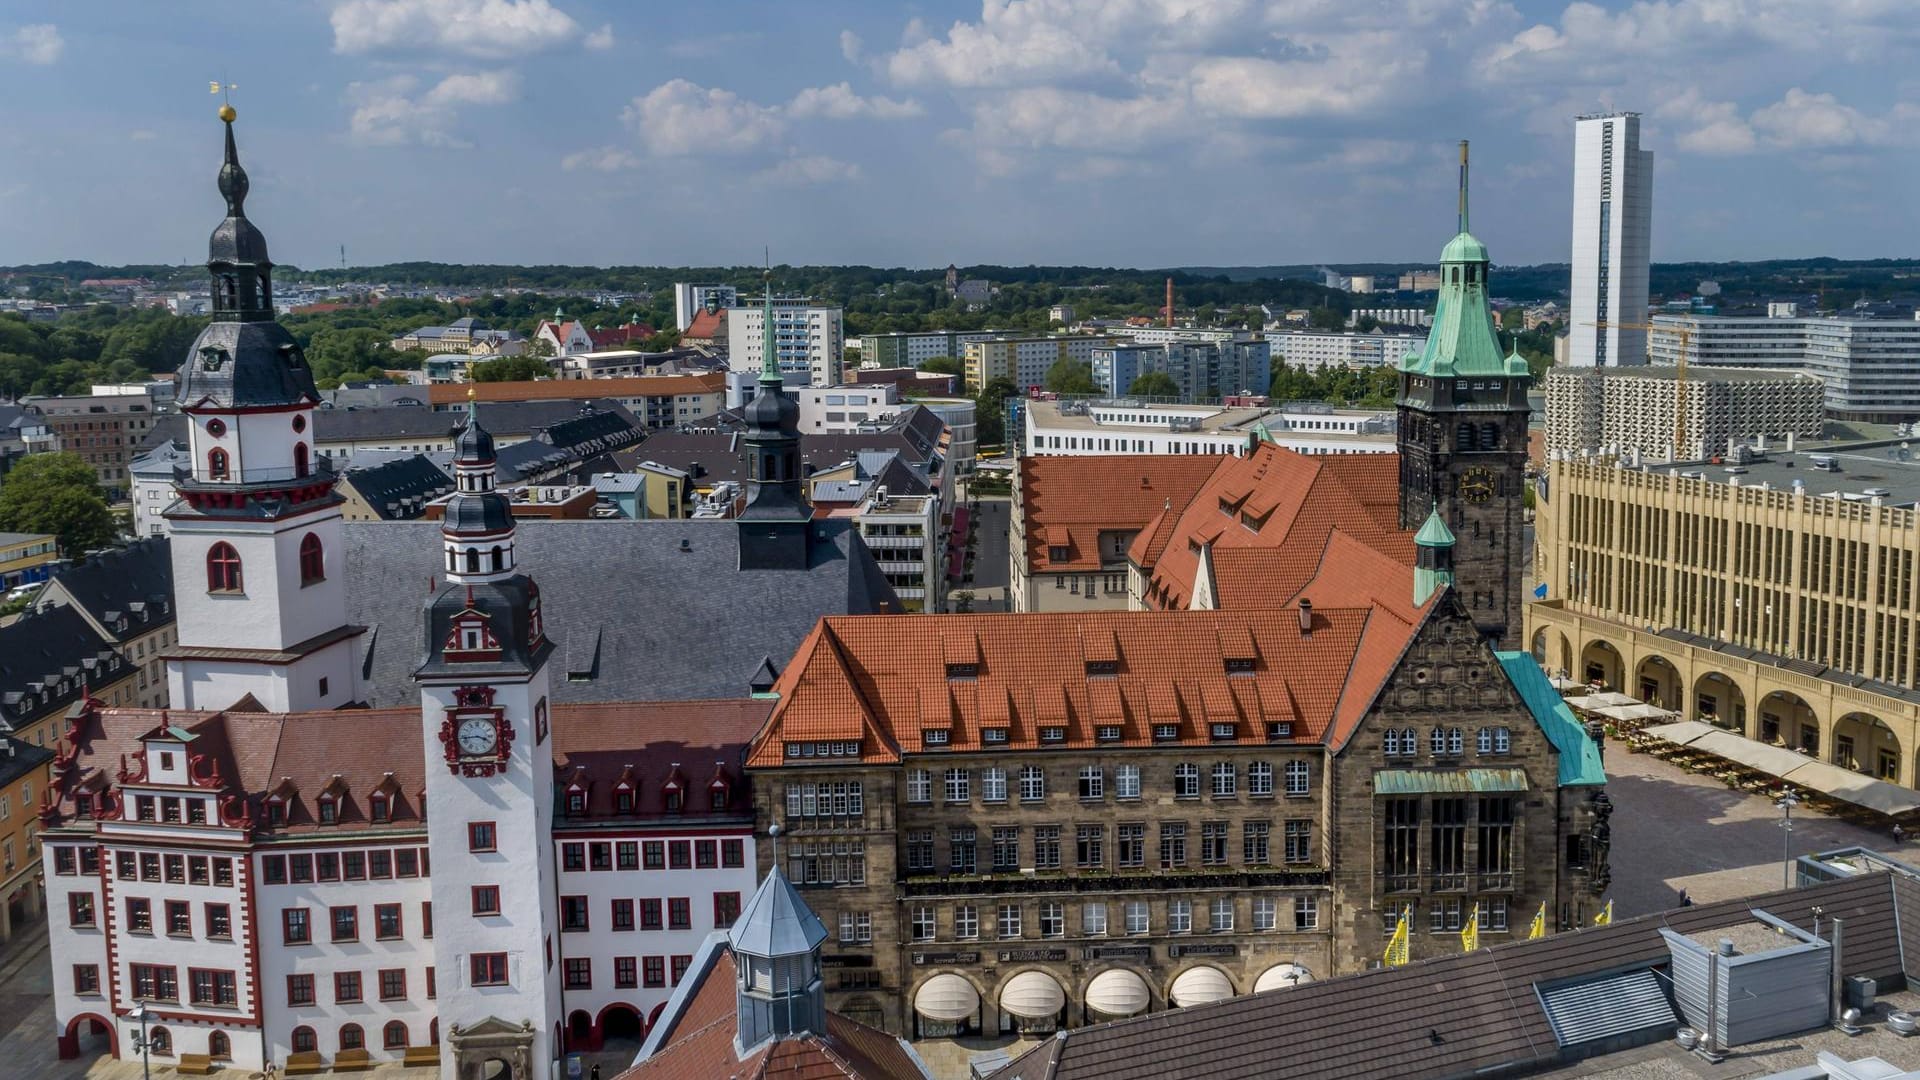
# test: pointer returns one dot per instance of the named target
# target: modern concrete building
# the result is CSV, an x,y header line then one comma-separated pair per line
x,y
913,348
1870,367
1129,426
1638,411
1612,238
837,410
690,299
809,338
26,559
1312,350
1203,369
1026,360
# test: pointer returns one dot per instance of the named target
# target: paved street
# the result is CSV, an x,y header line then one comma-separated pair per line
x,y
1678,830
990,570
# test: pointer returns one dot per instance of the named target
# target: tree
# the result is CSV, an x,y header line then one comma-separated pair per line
x,y
942,365
509,369
57,494
990,412
1154,384
1070,377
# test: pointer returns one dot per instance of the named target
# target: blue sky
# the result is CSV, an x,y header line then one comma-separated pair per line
x,y
1118,132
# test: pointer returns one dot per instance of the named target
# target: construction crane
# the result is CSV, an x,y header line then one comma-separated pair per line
x,y
1685,333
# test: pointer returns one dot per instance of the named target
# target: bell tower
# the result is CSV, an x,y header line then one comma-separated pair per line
x,y
484,710
258,579
1463,437
775,524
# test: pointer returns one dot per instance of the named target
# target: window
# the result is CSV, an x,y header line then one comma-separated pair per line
x,y
1226,780
1179,916
1009,922
1299,776
295,928
1493,913
655,968
1213,843
919,850
426,919
650,917
922,921
703,858
1006,848
1107,732
1497,740
486,899
219,922
654,855
1299,840
1053,919
80,910
63,861
488,969
1306,913
139,915
679,913
622,914
386,921
919,786
1126,782
1046,847
680,964
86,978
304,1041
1186,781
1033,783
159,1041
1264,912
856,928
960,849
679,855
1093,919
1137,921
579,973
993,785
1093,782
1166,732
217,464
153,983
313,563
300,990
627,855
966,922
393,1036
352,1038
726,909
346,923
481,837
626,973
223,568
1090,847
959,785
1173,844
346,986
1220,915
573,913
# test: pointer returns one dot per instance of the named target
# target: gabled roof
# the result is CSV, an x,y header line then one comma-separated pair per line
x,y
399,490
47,658
125,592
1579,757
707,326
646,741
1082,497
576,389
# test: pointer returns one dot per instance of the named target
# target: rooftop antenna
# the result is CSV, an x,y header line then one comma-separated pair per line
x,y
1463,185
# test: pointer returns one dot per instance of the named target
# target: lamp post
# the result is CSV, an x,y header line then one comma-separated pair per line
x,y
139,1014
1787,803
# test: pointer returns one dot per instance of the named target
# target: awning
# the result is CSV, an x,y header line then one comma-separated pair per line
x,y
1606,699
946,996
1282,977
1118,992
1855,788
1200,986
1681,732
1749,752
1032,994
1828,779
1564,684
1452,782
1634,712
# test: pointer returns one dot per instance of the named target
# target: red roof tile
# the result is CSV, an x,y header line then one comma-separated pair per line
x,y
1068,501
706,326
577,389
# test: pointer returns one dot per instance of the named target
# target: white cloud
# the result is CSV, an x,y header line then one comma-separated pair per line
x,y
679,118
807,170
1049,118
851,46
1802,120
839,102
1331,86
601,38
600,159
1717,129
39,44
388,112
483,28
143,135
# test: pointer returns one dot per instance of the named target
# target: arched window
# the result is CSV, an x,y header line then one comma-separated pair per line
x,y
218,1046
313,561
223,568
1463,437
216,464
473,560
304,1041
1489,436
159,1041
352,1038
394,1036
299,459
499,558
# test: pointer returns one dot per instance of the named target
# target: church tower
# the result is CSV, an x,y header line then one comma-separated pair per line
x,y
483,697
774,525
1463,437
258,579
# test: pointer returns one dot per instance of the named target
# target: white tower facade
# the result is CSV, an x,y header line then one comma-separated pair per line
x,y
1612,241
260,590
484,694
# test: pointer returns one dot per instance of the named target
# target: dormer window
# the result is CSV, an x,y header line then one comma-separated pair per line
x,y
1107,733
1057,553
166,759
936,736
535,628
993,736
1239,666
576,801
276,812
623,801
471,634
676,801
329,810
377,807
1224,732
1103,667
717,797
1279,729
1166,732
963,671
1053,734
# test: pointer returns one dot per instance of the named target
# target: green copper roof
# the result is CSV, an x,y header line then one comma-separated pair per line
x,y
1448,782
1463,248
1462,341
1579,758
1435,532
770,357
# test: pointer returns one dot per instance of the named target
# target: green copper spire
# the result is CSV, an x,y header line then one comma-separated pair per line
x,y
1462,342
770,358
1434,532
1433,560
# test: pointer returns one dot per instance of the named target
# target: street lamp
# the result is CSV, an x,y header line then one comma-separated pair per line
x,y
140,1043
1787,803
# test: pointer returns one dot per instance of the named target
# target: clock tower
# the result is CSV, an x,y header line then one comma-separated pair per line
x,y
484,706
1463,437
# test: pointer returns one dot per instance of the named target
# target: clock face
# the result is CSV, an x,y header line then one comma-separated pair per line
x,y
1476,485
476,736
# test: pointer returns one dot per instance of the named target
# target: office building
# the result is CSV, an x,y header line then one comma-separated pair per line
x,y
468,335
1642,410
1869,367
1202,368
908,349
1312,350
26,559
1612,238
1129,426
1025,360
690,299
808,338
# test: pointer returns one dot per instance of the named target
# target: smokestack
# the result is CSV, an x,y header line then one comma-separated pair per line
x,y
1306,616
1169,302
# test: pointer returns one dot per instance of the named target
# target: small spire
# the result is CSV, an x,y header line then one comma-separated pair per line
x,y
770,360
1463,185
233,178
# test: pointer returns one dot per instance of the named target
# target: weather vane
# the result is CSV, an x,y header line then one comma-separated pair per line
x,y
225,90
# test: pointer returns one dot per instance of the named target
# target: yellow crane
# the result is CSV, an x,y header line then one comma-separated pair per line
x,y
1685,334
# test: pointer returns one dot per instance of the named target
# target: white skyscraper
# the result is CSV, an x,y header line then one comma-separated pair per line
x,y
1612,239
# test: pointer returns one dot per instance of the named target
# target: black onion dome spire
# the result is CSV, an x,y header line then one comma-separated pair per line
x,y
243,358
473,445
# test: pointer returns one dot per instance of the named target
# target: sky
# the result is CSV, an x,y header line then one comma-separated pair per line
x,y
1141,133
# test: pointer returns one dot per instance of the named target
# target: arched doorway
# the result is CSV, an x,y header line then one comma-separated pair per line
x,y
1657,682
1539,646
579,1030
619,1029
1791,722
88,1035
1719,700
496,1069
1600,664
1870,744
1032,1003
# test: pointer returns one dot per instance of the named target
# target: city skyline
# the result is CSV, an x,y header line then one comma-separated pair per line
x,y
1046,131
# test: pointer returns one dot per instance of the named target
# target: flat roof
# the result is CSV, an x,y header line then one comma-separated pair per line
x,y
1213,419
9,539
1698,372
1888,467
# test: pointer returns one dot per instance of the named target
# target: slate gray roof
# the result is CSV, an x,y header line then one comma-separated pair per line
x,y
723,455
126,591
509,419
634,615
776,921
259,363
17,759
399,490
46,659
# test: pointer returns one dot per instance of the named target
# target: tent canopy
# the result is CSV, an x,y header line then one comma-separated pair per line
x,y
1605,699
1855,788
1843,784
1118,992
1634,712
946,996
1749,752
1682,732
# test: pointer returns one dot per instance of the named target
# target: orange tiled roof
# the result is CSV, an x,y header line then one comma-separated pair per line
x,y
573,389
1282,503
705,326
1068,501
886,680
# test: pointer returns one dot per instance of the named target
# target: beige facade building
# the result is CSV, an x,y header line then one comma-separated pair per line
x,y
1776,598
1025,360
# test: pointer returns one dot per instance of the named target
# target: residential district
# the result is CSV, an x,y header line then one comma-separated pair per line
x,y
757,706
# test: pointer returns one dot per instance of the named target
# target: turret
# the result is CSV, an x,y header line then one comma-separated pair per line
x,y
1433,558
774,524
776,942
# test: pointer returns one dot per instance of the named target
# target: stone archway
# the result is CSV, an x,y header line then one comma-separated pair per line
x,y
1717,699
89,1033
1785,717
1657,682
1870,743
492,1049
1601,663
1563,655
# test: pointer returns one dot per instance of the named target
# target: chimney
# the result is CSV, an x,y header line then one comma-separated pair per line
x,y
1306,616
1836,980
1790,442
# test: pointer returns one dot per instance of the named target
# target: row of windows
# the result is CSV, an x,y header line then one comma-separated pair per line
x,y
1446,742
372,864
575,914
1449,914
637,854
629,971
348,987
178,915
224,571
1223,781
156,982
1211,846
1008,921
343,923
393,1036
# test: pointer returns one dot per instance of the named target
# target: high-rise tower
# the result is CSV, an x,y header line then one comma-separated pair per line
x,y
260,590
1612,241
1463,437
483,697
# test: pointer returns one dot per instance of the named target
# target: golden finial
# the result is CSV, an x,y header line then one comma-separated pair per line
x,y
471,393
227,113
224,89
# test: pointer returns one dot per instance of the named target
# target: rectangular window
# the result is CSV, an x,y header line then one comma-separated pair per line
x,y
679,855
150,867
1138,921
1009,920
1220,915
626,973
703,855
326,866
1126,782
1006,848
856,928
1033,783
1213,843
1264,912
379,864
1093,919
86,978
1496,842
393,984
922,922
346,987
1226,780
345,922
1306,913
1046,847
300,868
650,918
486,899
959,785
1053,919
680,964
1299,841
426,919
655,968
600,856
1179,916
64,862
1255,848
627,855
966,922
353,866
623,914
295,926
573,857
1186,781
80,910
139,915
1093,782
300,990
726,909
1130,844
219,922
573,914
679,913
732,854
579,970
1089,850
919,786
654,855
488,969
481,836
1173,845
919,850
154,983
1299,778
962,858
993,785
